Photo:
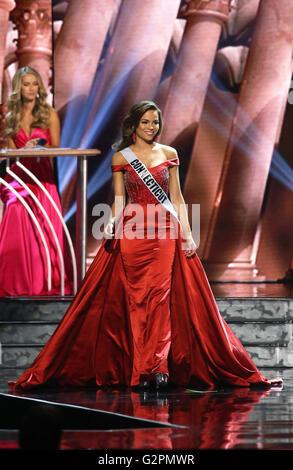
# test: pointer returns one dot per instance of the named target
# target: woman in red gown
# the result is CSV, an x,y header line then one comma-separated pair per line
x,y
22,255
145,314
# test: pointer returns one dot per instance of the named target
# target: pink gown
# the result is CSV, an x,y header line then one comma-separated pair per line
x,y
22,255
143,308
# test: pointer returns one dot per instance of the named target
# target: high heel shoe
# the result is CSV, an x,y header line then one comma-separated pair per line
x,y
144,382
161,380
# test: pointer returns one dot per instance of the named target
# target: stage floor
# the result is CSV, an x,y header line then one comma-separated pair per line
x,y
190,419
252,289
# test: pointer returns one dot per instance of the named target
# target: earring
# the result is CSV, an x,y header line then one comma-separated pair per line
x,y
134,137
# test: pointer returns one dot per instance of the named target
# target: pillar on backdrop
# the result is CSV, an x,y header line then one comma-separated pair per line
x,y
212,136
136,54
77,53
162,92
189,83
208,155
276,242
33,20
5,7
78,48
231,245
132,70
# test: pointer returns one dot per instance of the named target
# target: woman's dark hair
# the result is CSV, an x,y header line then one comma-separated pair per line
x,y
131,122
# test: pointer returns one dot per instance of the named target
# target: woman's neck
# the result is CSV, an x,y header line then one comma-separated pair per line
x,y
28,106
143,146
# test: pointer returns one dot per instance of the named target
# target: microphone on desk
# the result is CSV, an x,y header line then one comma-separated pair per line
x,y
41,141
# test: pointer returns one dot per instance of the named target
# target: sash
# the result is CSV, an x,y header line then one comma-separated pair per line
x,y
148,180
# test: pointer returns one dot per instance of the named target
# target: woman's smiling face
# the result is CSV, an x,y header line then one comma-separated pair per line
x,y
148,126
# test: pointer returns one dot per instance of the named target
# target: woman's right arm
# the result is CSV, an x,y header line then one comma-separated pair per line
x,y
10,143
119,197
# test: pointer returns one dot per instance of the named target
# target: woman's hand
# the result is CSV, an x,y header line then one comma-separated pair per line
x,y
189,246
109,228
31,143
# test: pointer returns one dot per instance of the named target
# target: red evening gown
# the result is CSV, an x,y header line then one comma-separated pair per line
x,y
143,308
22,255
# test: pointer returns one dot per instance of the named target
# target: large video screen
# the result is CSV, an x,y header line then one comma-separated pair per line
x,y
220,71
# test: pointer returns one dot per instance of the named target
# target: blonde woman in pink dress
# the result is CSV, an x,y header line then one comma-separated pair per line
x,y
22,256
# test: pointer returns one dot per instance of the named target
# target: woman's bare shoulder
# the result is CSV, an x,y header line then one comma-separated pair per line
x,y
118,159
53,114
169,152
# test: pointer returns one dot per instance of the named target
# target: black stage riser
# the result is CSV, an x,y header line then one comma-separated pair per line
x,y
14,409
264,326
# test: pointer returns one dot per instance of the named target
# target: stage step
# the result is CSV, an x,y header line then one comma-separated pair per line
x,y
33,308
26,324
264,326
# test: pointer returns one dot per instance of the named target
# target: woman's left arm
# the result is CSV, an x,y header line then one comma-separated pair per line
x,y
54,129
180,207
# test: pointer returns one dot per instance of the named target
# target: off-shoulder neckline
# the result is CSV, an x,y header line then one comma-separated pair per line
x,y
151,167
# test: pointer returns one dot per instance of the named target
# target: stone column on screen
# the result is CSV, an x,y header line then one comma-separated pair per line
x,y
79,46
208,155
5,7
276,243
33,20
136,54
231,249
77,53
188,87
162,91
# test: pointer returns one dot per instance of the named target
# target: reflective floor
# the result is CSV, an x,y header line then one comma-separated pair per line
x,y
224,419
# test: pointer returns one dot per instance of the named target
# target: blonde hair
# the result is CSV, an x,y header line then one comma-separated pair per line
x,y
41,111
